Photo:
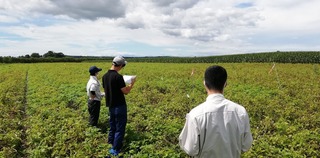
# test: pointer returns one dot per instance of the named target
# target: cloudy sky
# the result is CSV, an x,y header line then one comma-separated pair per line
x,y
158,27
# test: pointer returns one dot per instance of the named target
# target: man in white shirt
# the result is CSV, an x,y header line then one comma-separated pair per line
x,y
94,94
218,127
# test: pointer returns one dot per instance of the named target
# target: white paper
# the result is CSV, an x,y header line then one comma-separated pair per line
x,y
127,78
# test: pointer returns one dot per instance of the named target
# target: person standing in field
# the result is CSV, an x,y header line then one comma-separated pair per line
x,y
115,89
218,127
95,96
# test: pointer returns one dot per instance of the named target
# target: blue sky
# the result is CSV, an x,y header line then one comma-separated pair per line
x,y
158,28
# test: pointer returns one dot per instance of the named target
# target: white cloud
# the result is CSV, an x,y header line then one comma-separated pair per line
x,y
7,19
290,15
192,27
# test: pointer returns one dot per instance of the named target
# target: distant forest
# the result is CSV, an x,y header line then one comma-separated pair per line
x,y
278,57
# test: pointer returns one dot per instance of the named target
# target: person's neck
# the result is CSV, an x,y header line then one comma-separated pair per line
x,y
115,68
209,92
95,77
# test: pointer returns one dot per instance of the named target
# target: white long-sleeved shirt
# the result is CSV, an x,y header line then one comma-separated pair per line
x,y
94,85
217,128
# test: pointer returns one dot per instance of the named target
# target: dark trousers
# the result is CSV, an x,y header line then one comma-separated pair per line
x,y
118,121
94,111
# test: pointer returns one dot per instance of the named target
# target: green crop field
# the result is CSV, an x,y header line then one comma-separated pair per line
x,y
44,111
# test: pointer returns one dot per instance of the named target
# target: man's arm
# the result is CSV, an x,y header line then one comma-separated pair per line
x,y
247,136
189,137
93,90
104,83
93,95
126,90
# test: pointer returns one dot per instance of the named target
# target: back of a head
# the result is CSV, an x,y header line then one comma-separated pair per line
x,y
119,61
215,77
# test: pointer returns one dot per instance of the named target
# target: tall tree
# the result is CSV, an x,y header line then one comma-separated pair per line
x,y
59,55
49,54
35,55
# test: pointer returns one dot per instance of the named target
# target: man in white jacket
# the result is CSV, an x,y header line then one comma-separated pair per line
x,y
218,127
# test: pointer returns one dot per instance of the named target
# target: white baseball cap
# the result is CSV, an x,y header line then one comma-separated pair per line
x,y
119,60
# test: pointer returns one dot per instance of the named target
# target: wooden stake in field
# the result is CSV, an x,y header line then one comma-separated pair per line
x,y
274,67
192,73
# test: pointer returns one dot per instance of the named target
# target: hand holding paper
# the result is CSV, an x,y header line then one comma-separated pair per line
x,y
133,80
129,79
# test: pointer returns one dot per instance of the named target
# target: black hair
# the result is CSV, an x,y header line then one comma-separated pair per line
x,y
215,77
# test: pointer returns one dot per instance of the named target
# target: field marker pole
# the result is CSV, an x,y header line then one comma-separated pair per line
x,y
279,84
193,84
274,67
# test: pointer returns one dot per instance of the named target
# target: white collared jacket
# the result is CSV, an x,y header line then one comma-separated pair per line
x,y
94,85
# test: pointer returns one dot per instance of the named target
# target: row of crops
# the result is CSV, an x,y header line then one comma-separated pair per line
x,y
44,111
12,104
279,57
57,113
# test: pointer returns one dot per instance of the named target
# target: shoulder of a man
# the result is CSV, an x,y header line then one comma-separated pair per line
x,y
94,85
236,107
113,73
106,74
197,111
118,75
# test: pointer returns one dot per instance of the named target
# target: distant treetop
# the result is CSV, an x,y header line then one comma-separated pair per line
x,y
53,55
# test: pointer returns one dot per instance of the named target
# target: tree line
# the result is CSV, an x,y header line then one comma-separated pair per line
x,y
278,57
49,54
